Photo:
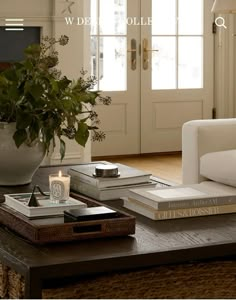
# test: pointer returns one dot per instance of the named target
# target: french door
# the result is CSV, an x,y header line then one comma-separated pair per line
x,y
155,59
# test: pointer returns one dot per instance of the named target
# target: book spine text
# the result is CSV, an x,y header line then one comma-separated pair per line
x,y
178,213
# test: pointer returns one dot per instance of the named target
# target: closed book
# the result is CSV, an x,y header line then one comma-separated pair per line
x,y
128,175
19,203
187,196
108,193
155,214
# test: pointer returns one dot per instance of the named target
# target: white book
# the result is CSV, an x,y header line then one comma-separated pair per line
x,y
154,214
109,193
182,196
128,175
19,203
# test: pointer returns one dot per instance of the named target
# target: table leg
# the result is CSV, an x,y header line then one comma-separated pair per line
x,y
33,286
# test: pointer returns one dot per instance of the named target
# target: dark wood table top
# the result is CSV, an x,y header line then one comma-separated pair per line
x,y
154,243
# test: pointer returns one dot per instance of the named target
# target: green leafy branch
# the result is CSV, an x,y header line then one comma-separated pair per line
x,y
45,104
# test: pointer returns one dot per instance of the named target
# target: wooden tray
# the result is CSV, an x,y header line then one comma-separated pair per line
x,y
53,229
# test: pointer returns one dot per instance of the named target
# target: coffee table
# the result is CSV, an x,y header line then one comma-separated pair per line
x,y
206,243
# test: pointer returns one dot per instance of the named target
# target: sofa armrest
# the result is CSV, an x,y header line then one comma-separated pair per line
x,y
203,136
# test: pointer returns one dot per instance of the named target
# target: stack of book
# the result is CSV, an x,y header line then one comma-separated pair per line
x,y
103,188
180,202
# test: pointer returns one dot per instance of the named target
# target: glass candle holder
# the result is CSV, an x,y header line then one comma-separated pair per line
x,y
59,186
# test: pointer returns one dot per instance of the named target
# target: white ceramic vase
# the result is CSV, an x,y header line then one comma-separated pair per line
x,y
17,165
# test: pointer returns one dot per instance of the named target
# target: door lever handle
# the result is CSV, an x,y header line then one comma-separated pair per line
x,y
133,52
155,50
145,54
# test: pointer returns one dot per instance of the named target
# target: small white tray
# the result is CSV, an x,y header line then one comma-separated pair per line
x,y
19,203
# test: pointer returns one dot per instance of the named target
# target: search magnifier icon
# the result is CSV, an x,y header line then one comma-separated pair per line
x,y
220,22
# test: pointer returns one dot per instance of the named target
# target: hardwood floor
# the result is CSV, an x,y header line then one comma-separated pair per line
x,y
164,166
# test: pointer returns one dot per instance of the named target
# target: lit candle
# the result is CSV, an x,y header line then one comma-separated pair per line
x,y
59,185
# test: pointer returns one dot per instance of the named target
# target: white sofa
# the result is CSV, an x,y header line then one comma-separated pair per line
x,y
204,136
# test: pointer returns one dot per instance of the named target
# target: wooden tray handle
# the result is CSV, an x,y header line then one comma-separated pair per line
x,y
92,228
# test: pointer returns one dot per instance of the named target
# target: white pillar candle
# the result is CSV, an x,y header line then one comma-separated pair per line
x,y
59,185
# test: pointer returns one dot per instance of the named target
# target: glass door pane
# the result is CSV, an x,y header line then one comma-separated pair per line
x,y
109,44
112,64
112,17
177,33
163,17
190,17
164,63
190,65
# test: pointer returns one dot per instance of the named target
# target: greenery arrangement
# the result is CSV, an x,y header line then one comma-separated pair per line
x,y
45,104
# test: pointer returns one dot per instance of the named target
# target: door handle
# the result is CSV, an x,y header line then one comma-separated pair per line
x,y
146,54
133,52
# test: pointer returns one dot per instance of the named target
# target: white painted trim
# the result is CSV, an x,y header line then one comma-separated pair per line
x,y
231,78
225,69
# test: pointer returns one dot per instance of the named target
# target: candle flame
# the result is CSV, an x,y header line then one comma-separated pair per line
x,y
59,174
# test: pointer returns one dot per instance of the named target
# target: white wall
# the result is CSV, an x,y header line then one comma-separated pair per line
x,y
48,15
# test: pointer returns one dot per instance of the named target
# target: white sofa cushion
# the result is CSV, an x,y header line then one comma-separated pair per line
x,y
204,136
219,166
219,188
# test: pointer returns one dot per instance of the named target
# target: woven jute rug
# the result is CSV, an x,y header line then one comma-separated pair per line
x,y
215,279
